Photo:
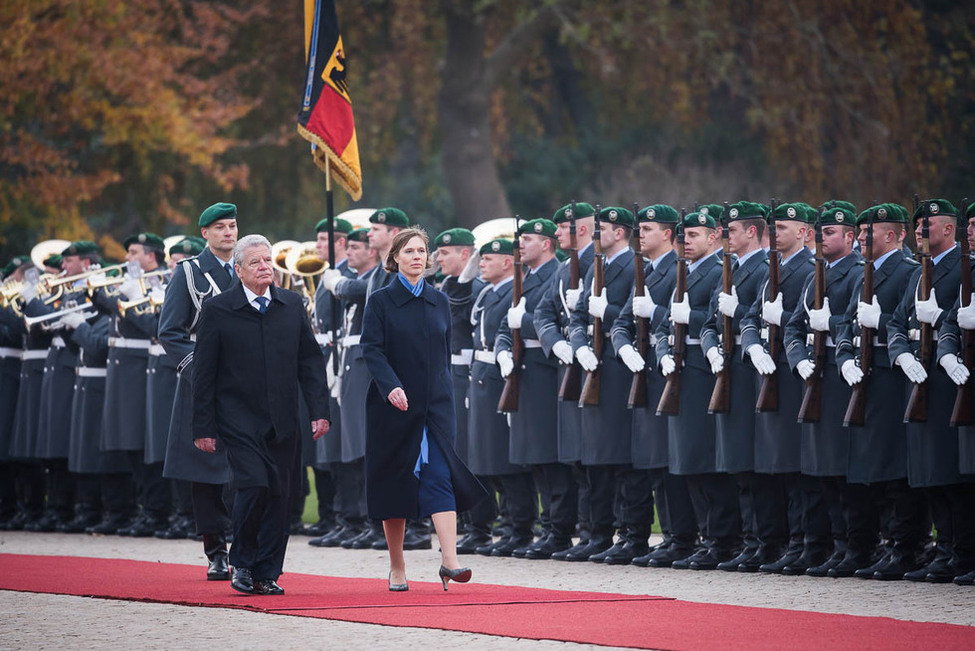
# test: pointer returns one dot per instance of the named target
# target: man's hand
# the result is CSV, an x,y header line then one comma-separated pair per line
x,y
868,314
913,369
397,398
681,312
587,359
598,305
716,359
563,350
728,303
772,311
506,363
966,316
131,289
516,314
632,358
643,306
330,279
319,428
927,311
761,360
572,297
805,368
955,369
819,319
206,445
851,372
667,365
73,319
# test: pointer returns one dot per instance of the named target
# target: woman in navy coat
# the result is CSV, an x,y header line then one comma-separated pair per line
x,y
412,469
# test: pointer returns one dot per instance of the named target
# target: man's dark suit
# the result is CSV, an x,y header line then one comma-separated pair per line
x,y
246,373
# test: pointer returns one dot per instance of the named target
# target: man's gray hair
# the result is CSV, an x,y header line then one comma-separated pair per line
x,y
248,242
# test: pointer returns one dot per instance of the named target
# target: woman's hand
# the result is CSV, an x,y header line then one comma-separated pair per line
x,y
397,398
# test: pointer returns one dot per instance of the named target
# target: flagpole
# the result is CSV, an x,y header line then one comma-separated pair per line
x,y
334,311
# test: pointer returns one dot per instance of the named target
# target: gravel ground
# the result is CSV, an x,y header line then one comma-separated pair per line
x,y
45,621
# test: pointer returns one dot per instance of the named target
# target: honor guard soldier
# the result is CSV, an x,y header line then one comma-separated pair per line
x,y
458,263
809,341
11,327
650,477
954,356
488,430
932,441
575,223
778,511
193,282
534,422
606,423
733,400
328,449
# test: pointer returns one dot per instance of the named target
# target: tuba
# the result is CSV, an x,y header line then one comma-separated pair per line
x,y
279,252
43,250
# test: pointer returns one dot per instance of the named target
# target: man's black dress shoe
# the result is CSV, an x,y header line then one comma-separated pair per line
x,y
823,568
550,546
564,554
412,540
267,587
624,555
320,528
789,557
242,581
471,541
80,523
896,567
965,579
45,524
144,527
731,565
109,525
17,522
364,540
849,565
699,554
715,554
218,568
510,545
666,556
336,537
811,556
595,546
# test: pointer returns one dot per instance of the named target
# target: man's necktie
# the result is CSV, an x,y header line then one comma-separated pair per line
x,y
230,271
261,303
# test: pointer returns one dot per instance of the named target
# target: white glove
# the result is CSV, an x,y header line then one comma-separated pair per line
x,y
158,294
913,369
716,358
563,350
805,368
927,311
643,306
851,372
506,363
330,279
587,359
966,316
572,297
772,312
131,289
681,312
633,360
516,314
819,319
72,320
868,314
598,305
955,369
728,303
667,365
761,360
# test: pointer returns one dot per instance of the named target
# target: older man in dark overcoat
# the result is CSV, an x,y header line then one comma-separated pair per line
x,y
254,348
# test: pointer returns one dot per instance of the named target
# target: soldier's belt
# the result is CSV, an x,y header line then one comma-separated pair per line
x,y
607,332
324,338
57,342
737,339
123,342
876,342
692,341
85,371
914,334
6,353
463,358
486,356
351,340
811,339
33,354
156,350
531,343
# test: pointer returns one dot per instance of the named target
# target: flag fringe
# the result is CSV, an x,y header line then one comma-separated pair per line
x,y
323,156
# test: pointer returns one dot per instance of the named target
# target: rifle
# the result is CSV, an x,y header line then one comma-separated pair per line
x,y
721,394
669,404
917,405
856,409
812,398
509,395
590,388
572,380
962,414
768,394
638,388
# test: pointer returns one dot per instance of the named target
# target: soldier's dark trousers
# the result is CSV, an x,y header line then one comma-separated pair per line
x,y
260,532
8,491
746,508
816,523
770,510
560,498
603,490
584,491
29,488
479,519
350,484
962,510
519,501
155,493
674,506
60,489
209,509
88,495
118,494
325,492
715,500
832,492
908,521
297,506
636,503
861,512
182,497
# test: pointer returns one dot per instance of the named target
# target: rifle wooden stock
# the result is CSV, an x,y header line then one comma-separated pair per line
x,y
638,387
810,410
856,409
669,404
962,412
721,394
768,393
591,387
509,395
917,404
571,387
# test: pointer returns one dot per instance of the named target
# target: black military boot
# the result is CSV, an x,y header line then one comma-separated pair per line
x,y
813,554
215,548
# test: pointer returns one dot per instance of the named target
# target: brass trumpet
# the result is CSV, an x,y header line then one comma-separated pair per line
x,y
145,305
279,253
303,262
59,281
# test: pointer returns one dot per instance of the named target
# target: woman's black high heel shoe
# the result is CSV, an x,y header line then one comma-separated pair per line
x,y
397,587
460,575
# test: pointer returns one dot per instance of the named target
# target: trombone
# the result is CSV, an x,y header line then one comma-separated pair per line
x,y
54,320
59,281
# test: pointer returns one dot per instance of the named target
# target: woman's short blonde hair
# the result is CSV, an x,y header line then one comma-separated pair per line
x,y
400,240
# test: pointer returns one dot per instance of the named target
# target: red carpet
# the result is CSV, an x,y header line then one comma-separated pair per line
x,y
587,617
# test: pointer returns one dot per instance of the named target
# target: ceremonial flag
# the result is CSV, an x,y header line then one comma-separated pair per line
x,y
326,118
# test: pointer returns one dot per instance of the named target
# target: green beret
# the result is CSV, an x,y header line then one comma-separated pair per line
x,y
885,213
53,260
341,226
903,215
934,208
785,212
188,246
810,213
659,213
390,217
617,216
839,203
218,211
837,216
81,247
714,210
499,247
544,227
359,235
148,240
565,214
699,218
454,237
970,212
747,210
